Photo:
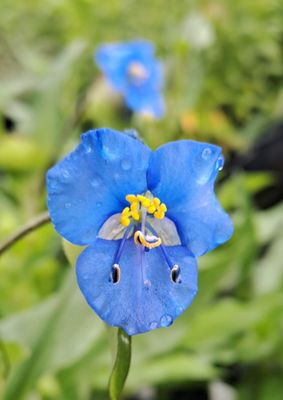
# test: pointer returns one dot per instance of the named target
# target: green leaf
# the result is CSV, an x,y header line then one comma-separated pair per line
x,y
122,365
50,114
19,153
57,333
177,367
228,318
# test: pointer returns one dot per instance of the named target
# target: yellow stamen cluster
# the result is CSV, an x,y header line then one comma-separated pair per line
x,y
137,70
153,206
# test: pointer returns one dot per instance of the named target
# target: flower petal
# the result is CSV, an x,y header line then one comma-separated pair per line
x,y
145,100
113,59
90,184
182,175
145,298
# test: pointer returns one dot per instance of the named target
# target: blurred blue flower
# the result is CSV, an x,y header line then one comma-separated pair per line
x,y
132,69
144,216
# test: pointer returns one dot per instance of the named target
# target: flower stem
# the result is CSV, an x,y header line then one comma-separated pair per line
x,y
33,224
121,366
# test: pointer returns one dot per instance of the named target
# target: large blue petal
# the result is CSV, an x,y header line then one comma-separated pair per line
x,y
114,58
90,184
145,298
182,175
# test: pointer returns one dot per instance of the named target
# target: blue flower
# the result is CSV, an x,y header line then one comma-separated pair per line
x,y
132,69
144,217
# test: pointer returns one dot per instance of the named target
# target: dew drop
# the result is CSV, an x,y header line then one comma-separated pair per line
x,y
117,177
166,320
66,174
153,325
95,182
132,133
219,163
87,148
130,331
53,184
67,205
108,152
206,153
147,283
126,165
179,310
53,187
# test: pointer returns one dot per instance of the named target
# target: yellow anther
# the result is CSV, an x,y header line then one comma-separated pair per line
x,y
153,206
159,214
125,221
156,201
126,211
134,205
151,209
140,239
135,215
137,70
144,200
131,197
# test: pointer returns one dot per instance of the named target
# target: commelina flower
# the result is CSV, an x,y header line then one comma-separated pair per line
x,y
144,217
132,69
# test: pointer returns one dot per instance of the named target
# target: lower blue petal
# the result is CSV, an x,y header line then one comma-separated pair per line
x,y
182,175
90,184
145,298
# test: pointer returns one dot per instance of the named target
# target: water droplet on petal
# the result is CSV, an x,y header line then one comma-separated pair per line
x,y
147,283
87,147
66,174
179,310
95,182
117,176
206,153
67,205
133,133
130,331
53,186
204,165
166,320
126,165
153,325
108,149
219,163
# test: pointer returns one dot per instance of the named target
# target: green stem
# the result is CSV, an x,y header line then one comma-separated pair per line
x,y
33,224
121,366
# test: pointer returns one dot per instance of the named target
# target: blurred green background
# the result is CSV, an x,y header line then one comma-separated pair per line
x,y
223,65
